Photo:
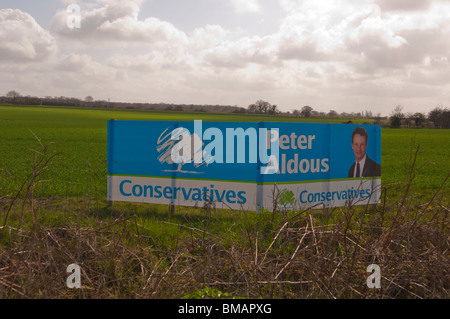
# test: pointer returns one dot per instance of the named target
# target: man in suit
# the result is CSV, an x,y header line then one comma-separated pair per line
x,y
363,165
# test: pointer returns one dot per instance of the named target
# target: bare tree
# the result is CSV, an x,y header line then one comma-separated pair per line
x,y
13,95
332,113
440,117
397,116
261,106
306,111
273,109
409,116
419,119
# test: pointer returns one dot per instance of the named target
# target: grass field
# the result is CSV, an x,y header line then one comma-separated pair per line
x,y
78,136
141,251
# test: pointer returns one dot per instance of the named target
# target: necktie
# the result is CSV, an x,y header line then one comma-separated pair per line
x,y
357,169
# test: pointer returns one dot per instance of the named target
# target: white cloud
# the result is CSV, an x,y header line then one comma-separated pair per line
x,y
208,36
240,53
116,21
81,64
153,62
361,34
338,54
404,5
316,30
246,6
22,38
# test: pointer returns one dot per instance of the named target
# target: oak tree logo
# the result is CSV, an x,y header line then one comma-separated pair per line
x,y
286,197
185,149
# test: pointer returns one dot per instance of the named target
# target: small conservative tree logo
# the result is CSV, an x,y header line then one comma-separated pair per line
x,y
184,149
285,197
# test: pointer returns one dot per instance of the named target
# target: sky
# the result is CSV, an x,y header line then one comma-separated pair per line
x,y
342,55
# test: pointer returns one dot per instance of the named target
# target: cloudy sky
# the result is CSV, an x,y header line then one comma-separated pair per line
x,y
343,55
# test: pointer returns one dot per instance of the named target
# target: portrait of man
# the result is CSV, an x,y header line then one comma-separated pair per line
x,y
363,166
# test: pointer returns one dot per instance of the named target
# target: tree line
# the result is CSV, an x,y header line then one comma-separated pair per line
x,y
14,97
439,117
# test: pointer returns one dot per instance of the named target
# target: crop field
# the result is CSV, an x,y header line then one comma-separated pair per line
x,y
78,138
53,212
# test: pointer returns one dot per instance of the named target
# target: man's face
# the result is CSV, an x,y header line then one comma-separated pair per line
x,y
359,147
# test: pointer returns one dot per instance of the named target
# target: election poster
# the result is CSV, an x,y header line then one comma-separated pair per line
x,y
244,165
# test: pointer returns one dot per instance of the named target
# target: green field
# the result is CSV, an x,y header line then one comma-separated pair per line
x,y
78,136
133,250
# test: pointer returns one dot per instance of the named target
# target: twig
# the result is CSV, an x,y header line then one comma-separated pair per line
x,y
259,282
403,288
273,241
293,255
314,233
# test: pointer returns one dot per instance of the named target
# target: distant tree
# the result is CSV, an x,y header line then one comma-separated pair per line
x,y
435,116
296,113
30,100
306,111
252,108
446,119
409,117
367,114
13,95
239,110
89,99
332,113
440,117
419,119
260,106
273,110
396,116
318,114
378,119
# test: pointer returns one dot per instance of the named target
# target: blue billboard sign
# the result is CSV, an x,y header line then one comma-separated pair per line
x,y
244,165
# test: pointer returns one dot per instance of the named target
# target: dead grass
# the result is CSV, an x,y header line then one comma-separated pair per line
x,y
305,254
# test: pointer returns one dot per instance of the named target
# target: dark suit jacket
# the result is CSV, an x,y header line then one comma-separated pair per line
x,y
371,168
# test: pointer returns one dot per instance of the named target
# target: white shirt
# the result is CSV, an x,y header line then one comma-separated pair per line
x,y
361,167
